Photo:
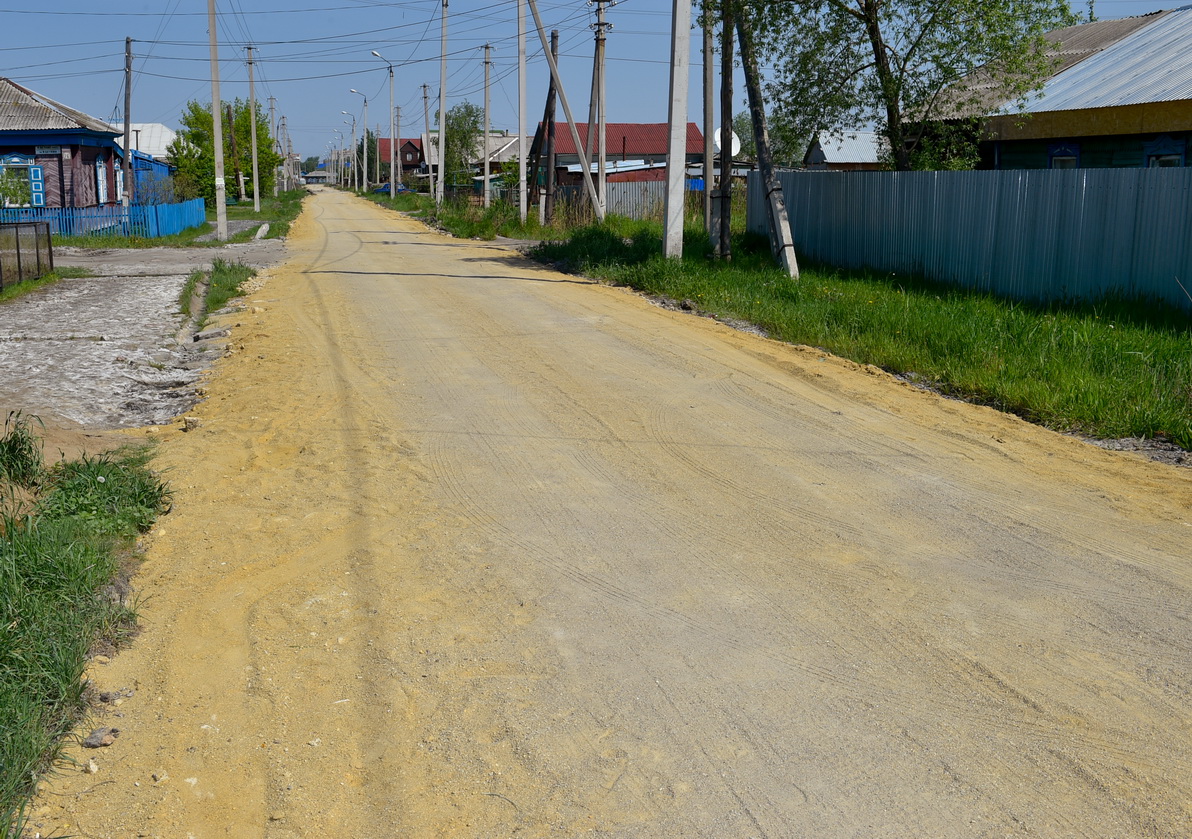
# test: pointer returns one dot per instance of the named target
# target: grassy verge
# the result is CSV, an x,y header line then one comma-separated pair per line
x,y
226,280
1114,368
188,290
279,213
16,290
60,550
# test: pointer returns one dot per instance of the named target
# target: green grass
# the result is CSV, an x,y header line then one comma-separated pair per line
x,y
226,279
279,213
20,451
1114,368
12,292
55,561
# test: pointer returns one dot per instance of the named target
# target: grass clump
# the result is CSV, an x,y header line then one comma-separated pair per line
x,y
188,291
225,282
20,451
1113,368
57,563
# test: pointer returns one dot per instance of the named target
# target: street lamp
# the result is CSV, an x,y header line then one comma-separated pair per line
x,y
365,134
339,159
394,174
355,170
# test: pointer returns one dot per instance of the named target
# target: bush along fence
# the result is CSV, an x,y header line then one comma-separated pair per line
x,y
148,221
1023,234
25,252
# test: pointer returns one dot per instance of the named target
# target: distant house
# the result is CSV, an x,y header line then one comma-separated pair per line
x,y
624,141
852,151
65,157
408,149
1121,97
149,138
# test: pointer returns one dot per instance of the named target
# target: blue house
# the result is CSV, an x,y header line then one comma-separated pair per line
x,y
54,156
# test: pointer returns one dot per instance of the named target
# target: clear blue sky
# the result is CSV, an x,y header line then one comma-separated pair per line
x,y
310,52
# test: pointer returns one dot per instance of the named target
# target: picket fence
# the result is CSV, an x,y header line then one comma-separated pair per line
x,y
150,221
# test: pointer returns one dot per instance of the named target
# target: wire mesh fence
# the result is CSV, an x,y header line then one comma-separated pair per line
x,y
26,252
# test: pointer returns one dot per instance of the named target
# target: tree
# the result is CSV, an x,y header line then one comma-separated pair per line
x,y
743,128
310,164
464,136
842,64
193,151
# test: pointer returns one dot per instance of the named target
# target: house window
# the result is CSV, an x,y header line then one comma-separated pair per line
x,y
1163,160
1164,151
21,183
1063,156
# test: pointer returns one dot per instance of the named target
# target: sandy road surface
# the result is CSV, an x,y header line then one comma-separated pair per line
x,y
468,548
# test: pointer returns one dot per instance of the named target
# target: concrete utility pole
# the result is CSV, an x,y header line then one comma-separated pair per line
x,y
252,110
273,139
235,154
726,132
676,150
602,28
392,138
221,210
430,170
364,138
521,110
548,207
583,157
781,242
397,140
354,167
126,197
709,151
442,111
487,127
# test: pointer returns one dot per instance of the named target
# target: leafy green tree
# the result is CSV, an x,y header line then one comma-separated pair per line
x,y
311,164
464,136
193,151
743,128
841,64
15,190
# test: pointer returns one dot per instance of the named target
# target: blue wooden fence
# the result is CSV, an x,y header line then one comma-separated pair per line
x,y
1031,235
149,221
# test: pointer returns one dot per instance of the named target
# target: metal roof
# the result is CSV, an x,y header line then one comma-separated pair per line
x,y
630,139
1150,64
152,138
23,110
851,147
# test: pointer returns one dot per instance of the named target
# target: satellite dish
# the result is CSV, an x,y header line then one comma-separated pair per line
x,y
736,142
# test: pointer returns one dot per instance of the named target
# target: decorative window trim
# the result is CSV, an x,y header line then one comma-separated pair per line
x,y
1063,151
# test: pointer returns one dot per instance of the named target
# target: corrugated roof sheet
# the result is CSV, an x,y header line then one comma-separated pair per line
x,y
632,139
852,147
23,110
1151,64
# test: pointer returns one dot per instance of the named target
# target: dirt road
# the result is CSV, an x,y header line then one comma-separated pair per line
x,y
468,548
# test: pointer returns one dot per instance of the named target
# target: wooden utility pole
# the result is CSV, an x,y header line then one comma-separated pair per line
x,y
781,242
395,141
487,128
126,197
726,131
601,139
584,160
676,150
273,139
221,210
521,110
252,110
549,204
539,144
709,151
442,111
426,149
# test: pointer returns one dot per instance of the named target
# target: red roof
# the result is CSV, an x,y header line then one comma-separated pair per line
x,y
384,142
632,139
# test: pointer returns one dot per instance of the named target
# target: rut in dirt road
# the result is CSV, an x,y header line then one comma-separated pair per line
x,y
467,547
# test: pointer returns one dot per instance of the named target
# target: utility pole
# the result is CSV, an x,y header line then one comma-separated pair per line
x,y
442,110
781,242
252,110
602,141
126,198
221,210
726,131
430,170
273,138
597,207
235,154
549,205
521,110
676,151
364,138
487,127
709,87
392,138
396,140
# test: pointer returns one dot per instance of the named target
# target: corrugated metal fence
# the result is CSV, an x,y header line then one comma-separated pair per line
x,y
1036,235
645,200
147,220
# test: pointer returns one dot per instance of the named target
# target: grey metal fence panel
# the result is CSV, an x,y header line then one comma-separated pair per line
x,y
26,252
644,200
1027,234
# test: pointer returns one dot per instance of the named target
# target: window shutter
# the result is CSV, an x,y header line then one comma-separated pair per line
x,y
37,185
